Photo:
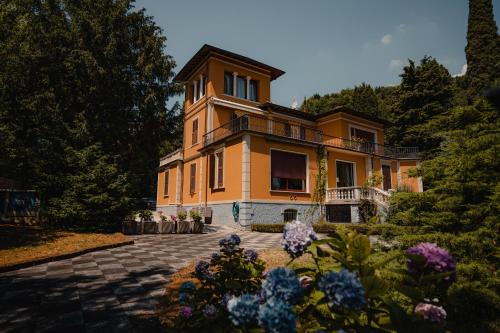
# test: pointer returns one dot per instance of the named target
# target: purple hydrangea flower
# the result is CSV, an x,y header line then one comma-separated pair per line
x,y
250,255
186,311
434,259
343,289
230,243
277,316
243,310
215,257
284,284
431,312
297,237
210,311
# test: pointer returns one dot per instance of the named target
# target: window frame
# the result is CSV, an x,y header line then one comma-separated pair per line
x,y
365,129
194,138
354,173
256,82
306,180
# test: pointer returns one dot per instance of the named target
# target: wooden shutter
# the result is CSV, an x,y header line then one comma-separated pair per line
x,y
212,171
165,186
192,179
220,169
195,132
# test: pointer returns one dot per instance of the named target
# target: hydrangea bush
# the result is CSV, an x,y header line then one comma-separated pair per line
x,y
345,290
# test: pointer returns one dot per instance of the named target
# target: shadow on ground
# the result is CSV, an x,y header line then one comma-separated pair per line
x,y
12,236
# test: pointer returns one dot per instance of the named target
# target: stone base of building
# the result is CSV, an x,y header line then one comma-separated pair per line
x,y
261,213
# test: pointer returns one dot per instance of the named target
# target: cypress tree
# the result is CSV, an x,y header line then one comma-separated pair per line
x,y
483,46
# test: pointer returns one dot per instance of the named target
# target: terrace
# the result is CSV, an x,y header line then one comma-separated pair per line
x,y
304,134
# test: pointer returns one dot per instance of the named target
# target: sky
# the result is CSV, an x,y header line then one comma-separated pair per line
x,y
323,46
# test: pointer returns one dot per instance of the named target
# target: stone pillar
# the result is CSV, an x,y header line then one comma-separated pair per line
x,y
200,186
368,167
245,205
178,184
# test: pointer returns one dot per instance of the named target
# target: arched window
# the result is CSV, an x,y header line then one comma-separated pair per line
x,y
289,215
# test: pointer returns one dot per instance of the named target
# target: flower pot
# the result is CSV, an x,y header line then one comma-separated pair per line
x,y
183,227
129,227
197,227
150,227
166,227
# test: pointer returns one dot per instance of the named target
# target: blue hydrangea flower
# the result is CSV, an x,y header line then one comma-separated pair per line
x,y
210,311
215,257
230,243
282,283
277,316
250,255
343,289
201,269
297,236
187,287
243,310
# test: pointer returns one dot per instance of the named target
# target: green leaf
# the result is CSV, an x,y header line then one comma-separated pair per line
x,y
359,248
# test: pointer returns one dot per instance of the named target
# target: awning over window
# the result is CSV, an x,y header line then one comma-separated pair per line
x,y
288,165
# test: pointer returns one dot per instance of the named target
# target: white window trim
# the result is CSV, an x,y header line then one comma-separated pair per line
x,y
216,169
353,170
366,129
307,172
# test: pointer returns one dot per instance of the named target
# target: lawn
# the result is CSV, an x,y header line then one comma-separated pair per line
x,y
23,244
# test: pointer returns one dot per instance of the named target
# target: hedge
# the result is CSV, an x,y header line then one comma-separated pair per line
x,y
384,230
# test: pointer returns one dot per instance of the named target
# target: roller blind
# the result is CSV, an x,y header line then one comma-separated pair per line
x,y
288,165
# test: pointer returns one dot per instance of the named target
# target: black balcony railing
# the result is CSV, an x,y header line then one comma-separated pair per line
x,y
306,134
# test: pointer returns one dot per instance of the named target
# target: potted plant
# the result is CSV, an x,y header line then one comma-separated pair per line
x,y
130,226
165,226
148,224
197,223
182,224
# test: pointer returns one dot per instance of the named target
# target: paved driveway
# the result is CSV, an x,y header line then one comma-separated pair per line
x,y
110,290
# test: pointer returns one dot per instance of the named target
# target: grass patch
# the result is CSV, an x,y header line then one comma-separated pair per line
x,y
20,244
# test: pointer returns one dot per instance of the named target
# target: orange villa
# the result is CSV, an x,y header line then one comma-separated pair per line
x,y
252,161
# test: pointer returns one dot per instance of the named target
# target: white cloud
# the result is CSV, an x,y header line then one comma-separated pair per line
x,y
401,27
395,64
462,72
386,39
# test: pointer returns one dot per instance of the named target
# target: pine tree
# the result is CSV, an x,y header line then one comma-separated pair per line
x,y
483,46
365,100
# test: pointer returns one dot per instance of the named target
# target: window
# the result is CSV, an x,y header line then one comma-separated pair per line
x,y
288,129
228,84
345,174
338,213
217,170
364,135
198,88
194,138
241,87
253,90
165,184
192,178
302,132
289,215
288,171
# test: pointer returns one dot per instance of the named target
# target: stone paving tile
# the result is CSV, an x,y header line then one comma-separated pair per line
x,y
113,290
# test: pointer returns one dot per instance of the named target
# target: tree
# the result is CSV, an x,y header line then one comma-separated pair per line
x,y
426,91
365,100
86,78
483,46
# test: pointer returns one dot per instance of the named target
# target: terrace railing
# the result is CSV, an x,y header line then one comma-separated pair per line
x,y
303,133
356,193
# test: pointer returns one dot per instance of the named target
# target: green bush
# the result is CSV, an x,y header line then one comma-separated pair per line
x,y
277,227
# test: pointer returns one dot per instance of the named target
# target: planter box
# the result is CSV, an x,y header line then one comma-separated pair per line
x,y
131,227
197,227
150,227
183,227
166,227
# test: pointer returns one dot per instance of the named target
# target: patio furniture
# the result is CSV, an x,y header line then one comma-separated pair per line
x,y
183,227
150,227
166,227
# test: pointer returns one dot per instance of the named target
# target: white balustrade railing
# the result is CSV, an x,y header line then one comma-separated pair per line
x,y
354,193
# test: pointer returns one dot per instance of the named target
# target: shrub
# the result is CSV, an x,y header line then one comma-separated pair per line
x,y
366,210
276,228
146,215
181,216
195,215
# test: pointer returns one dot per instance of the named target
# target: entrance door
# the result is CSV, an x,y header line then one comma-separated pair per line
x,y
345,174
386,172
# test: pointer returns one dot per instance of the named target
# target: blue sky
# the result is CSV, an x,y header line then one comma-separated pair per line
x,y
323,46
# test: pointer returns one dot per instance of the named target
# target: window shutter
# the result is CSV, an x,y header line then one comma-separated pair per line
x,y
212,171
192,182
220,169
195,132
165,189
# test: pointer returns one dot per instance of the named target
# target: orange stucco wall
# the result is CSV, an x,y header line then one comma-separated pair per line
x,y
404,168
187,197
260,170
332,167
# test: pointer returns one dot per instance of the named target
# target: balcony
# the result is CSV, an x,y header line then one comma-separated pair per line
x,y
285,130
354,194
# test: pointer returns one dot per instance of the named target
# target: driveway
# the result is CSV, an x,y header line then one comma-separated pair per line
x,y
107,291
